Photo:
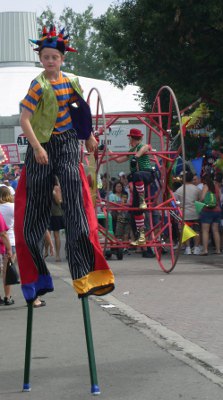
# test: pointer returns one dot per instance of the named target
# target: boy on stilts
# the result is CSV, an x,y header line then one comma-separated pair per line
x,y
53,150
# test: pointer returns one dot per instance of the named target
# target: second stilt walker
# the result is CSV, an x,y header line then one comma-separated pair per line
x,y
141,175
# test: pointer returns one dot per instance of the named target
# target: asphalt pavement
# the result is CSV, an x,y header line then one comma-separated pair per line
x,y
157,336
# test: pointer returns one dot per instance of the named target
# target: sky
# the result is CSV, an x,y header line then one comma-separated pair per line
x,y
57,6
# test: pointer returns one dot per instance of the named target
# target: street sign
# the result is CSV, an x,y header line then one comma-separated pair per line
x,y
117,139
11,153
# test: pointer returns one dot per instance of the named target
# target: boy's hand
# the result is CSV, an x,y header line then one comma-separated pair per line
x,y
41,155
91,144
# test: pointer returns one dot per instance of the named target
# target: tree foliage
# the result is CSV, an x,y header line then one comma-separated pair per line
x,y
150,44
169,42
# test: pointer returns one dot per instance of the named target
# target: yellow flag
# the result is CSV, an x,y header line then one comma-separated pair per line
x,y
188,233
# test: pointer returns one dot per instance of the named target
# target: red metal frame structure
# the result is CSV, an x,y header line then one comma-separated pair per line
x,y
164,124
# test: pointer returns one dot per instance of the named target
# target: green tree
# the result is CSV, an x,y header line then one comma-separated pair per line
x,y
170,42
47,18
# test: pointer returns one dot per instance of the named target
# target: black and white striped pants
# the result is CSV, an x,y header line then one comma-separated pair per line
x,y
63,154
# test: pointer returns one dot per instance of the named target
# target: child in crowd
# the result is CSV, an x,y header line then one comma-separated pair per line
x,y
123,224
6,251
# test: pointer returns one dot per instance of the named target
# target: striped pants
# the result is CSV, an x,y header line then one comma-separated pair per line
x,y
63,154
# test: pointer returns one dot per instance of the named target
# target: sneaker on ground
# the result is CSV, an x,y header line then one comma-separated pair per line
x,y
187,251
8,301
197,251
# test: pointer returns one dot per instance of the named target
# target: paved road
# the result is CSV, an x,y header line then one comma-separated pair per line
x,y
189,300
157,336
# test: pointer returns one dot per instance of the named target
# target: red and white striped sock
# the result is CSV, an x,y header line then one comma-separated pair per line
x,y
139,220
139,187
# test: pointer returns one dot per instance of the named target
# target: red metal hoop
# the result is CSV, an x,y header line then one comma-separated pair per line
x,y
164,132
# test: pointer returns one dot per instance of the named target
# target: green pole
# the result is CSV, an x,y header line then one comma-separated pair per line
x,y
95,390
26,383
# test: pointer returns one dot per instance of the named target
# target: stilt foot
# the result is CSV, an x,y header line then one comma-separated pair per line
x,y
95,390
26,387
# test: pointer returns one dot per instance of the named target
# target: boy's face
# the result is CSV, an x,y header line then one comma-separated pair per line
x,y
51,59
133,141
124,199
195,180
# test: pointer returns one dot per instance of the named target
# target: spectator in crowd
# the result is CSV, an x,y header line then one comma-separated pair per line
x,y
123,225
56,219
5,250
192,194
197,181
116,197
7,211
7,184
48,244
106,186
124,180
210,217
219,181
14,183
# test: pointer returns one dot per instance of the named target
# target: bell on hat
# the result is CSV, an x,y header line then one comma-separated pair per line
x,y
135,133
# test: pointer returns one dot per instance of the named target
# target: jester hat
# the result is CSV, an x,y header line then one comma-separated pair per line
x,y
51,40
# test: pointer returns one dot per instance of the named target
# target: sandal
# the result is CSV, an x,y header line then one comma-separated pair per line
x,y
41,304
204,254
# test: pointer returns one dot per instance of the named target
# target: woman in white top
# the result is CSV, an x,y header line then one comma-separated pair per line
x,y
7,211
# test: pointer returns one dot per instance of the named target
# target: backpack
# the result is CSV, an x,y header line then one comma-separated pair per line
x,y
210,200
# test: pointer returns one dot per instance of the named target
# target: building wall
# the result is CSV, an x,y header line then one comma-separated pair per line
x,y
7,125
15,30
